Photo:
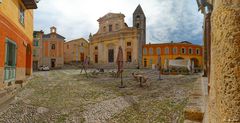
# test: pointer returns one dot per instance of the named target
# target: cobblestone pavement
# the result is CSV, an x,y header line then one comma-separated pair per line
x,y
68,96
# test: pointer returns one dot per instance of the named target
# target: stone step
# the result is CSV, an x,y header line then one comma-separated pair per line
x,y
195,109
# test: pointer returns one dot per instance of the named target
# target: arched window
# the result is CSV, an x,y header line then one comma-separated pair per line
x,y
197,51
166,50
175,50
138,25
151,51
183,51
145,51
158,51
190,51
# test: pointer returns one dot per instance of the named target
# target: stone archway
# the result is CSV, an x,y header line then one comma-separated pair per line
x,y
28,66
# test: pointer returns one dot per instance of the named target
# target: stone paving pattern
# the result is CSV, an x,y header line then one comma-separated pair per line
x,y
70,97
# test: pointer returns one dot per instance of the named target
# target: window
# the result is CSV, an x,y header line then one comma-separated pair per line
x,y
96,48
190,51
110,28
129,44
35,35
67,46
21,15
138,17
144,51
138,25
10,60
145,62
158,51
10,53
198,51
174,50
35,43
151,51
53,47
166,50
183,50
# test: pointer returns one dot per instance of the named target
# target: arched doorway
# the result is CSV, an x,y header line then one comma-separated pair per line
x,y
179,58
28,65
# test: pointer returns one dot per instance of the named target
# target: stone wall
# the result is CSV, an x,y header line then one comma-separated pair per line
x,y
224,99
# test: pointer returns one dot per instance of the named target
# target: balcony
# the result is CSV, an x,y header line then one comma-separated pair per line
x,y
30,4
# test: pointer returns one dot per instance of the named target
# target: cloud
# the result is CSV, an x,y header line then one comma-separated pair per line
x,y
167,20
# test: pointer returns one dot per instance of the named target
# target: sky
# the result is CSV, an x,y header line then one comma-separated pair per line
x,y
167,20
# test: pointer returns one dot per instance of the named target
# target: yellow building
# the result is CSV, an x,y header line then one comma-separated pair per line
x,y
172,51
114,32
76,50
16,29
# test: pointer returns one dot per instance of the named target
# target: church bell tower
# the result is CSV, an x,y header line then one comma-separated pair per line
x,y
139,22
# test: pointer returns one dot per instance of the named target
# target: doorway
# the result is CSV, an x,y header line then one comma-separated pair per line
x,y
28,60
96,58
145,62
110,55
53,63
35,65
129,57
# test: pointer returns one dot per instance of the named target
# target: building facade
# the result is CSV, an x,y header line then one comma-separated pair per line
x,y
114,32
16,29
76,51
172,51
48,49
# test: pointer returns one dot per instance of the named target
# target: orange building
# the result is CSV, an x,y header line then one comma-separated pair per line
x,y
16,29
76,50
171,51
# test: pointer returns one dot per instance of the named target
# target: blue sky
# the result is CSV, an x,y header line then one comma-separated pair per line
x,y
167,20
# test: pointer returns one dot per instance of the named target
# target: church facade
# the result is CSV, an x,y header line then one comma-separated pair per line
x,y
114,32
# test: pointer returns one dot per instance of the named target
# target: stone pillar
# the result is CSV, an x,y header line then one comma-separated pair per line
x,y
224,98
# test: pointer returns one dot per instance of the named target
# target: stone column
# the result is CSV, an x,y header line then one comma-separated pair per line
x,y
224,98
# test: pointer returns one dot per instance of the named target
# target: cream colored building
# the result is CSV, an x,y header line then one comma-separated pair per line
x,y
114,32
76,50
